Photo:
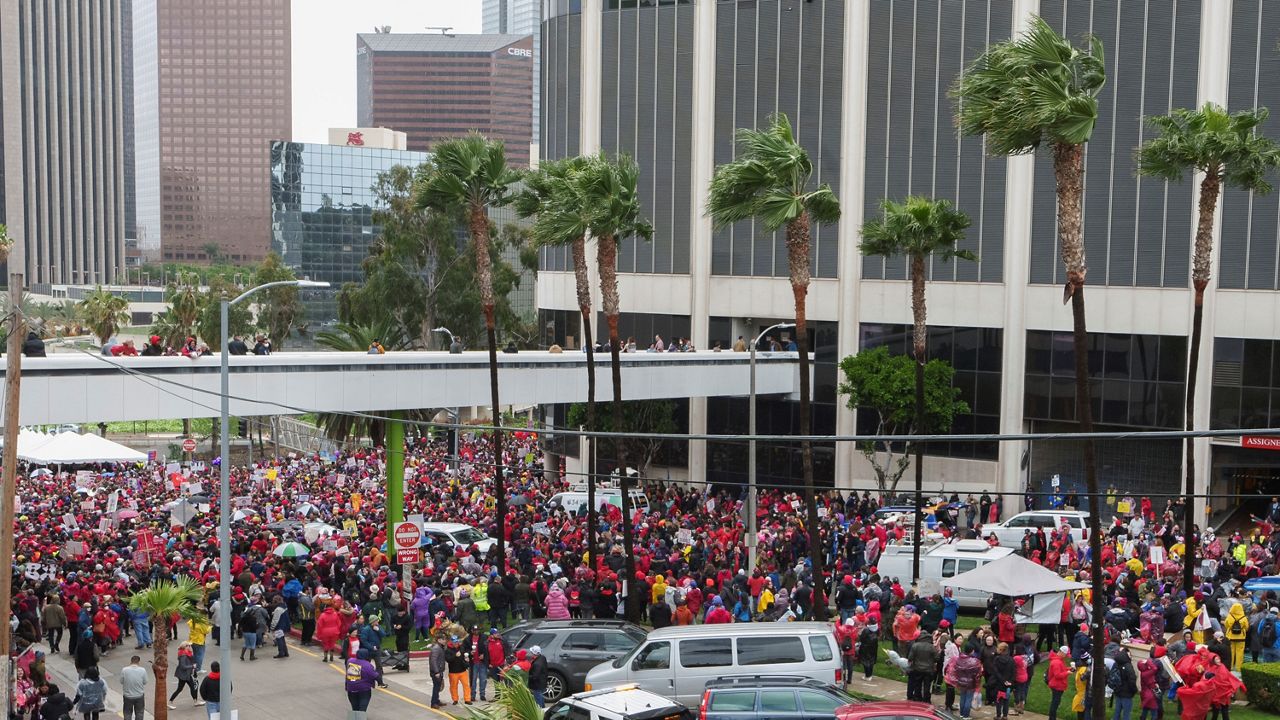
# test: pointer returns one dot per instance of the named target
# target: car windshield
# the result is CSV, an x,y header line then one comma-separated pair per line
x,y
620,662
467,536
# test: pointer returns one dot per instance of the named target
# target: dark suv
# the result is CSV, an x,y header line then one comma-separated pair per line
x,y
572,647
762,697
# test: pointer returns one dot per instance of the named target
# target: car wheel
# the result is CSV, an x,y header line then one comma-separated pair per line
x,y
555,686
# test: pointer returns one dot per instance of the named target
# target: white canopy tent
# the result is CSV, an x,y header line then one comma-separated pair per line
x,y
1016,576
29,440
71,448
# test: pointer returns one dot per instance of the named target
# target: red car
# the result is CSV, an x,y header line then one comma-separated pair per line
x,y
892,710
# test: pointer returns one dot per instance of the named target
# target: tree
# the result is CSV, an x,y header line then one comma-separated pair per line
x,y
208,324
638,416
1040,89
552,195
472,173
512,701
1228,151
213,252
770,182
607,189
6,242
279,309
883,384
917,229
103,313
179,321
163,600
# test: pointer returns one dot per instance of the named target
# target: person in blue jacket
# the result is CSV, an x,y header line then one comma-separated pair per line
x,y
950,607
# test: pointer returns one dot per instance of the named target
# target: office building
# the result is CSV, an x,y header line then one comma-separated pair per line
x,y
519,17
62,185
866,84
438,86
212,90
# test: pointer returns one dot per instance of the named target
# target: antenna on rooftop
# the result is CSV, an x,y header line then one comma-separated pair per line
x,y
382,29
444,29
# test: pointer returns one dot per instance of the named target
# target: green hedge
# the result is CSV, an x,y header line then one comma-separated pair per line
x,y
1263,683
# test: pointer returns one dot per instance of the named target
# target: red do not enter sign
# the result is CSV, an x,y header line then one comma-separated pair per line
x,y
408,536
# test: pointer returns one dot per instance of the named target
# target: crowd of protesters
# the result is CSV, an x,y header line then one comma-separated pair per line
x,y
86,541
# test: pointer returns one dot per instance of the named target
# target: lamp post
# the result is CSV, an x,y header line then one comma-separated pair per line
x,y
224,492
751,452
455,348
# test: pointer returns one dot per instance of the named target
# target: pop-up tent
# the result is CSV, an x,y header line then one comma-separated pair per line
x,y
1016,576
1263,584
71,448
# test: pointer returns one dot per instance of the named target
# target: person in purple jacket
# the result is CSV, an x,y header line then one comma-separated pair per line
x,y
421,607
361,678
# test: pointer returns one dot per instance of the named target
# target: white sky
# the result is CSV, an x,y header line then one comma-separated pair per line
x,y
324,51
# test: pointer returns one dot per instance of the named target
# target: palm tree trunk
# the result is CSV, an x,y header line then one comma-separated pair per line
x,y
484,277
1210,186
1068,167
919,341
798,265
160,664
584,306
607,260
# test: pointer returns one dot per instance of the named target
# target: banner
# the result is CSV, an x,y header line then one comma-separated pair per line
x,y
357,500
113,502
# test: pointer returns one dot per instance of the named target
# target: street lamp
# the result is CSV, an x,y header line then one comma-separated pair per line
x,y
455,347
224,492
751,457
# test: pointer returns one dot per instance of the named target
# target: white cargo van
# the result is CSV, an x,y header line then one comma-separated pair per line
x,y
940,562
574,500
678,662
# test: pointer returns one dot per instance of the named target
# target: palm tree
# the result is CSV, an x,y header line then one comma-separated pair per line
x,y
1226,149
770,181
1039,89
552,194
512,701
472,173
103,313
166,601
607,189
918,229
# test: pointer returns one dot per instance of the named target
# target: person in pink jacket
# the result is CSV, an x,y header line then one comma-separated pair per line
x,y
557,604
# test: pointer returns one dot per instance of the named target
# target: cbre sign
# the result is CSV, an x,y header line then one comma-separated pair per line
x,y
520,52
1260,442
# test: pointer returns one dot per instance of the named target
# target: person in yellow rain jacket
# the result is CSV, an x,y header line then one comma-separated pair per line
x,y
198,631
1194,608
480,593
659,592
1082,688
1236,627
766,597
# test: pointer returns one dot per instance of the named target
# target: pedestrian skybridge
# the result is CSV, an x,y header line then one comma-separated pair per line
x,y
82,388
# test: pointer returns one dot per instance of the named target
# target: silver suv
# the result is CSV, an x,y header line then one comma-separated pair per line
x,y
1010,531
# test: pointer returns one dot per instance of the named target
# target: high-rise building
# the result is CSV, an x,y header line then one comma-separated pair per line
x,y
519,17
437,86
866,85
62,159
212,91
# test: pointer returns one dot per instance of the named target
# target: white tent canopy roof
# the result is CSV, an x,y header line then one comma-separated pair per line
x,y
1012,576
71,448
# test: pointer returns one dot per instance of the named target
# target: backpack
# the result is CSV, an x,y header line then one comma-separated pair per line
x,y
846,644
1115,678
1234,627
1267,633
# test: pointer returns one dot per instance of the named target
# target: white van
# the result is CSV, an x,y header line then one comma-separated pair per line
x,y
1010,531
678,662
573,501
939,562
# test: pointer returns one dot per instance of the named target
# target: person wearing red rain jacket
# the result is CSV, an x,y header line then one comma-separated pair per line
x,y
1057,677
328,630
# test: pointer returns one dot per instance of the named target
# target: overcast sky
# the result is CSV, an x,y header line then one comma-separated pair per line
x,y
324,51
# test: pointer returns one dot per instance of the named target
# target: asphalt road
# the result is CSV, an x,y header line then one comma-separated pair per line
x,y
298,687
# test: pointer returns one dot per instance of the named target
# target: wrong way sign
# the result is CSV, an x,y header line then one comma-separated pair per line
x,y
408,543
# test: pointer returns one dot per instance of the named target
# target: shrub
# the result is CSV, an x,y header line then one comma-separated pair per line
x,y
1263,683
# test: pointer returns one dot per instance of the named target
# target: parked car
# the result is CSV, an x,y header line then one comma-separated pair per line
x,y
1010,531
456,534
896,709
764,698
573,647
678,662
621,703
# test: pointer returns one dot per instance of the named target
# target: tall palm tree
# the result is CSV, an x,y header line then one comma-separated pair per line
x,y
349,337
103,313
164,601
918,229
472,173
607,189
1227,150
770,182
1038,89
552,194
